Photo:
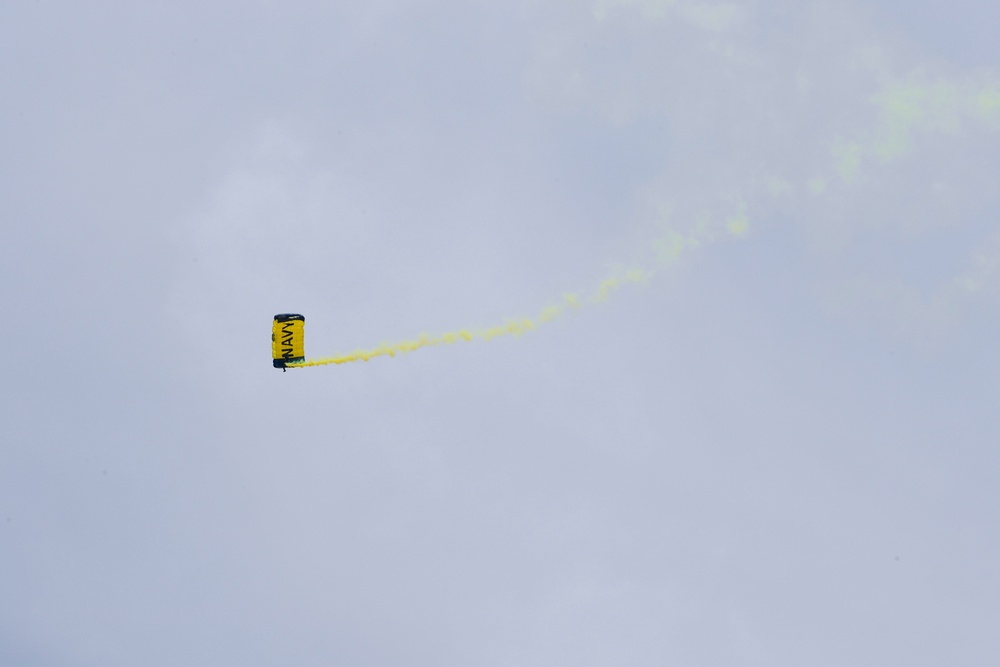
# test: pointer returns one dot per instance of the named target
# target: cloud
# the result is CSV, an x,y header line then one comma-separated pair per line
x,y
710,468
712,17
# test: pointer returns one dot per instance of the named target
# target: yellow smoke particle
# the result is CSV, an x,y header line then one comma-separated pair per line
x,y
988,101
817,185
848,160
739,224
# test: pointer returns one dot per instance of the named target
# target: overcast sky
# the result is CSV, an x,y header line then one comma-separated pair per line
x,y
780,448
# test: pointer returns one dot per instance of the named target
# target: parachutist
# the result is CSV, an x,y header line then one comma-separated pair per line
x,y
287,346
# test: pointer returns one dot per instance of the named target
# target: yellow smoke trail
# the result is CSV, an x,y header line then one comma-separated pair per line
x,y
906,108
515,327
667,249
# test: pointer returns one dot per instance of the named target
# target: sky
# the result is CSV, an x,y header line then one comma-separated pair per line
x,y
755,422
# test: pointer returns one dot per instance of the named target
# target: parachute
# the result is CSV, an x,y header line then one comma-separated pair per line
x,y
287,345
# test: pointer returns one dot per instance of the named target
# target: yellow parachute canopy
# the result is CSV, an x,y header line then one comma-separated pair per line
x,y
287,345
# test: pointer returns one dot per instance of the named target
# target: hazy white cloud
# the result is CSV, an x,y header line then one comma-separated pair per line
x,y
770,440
